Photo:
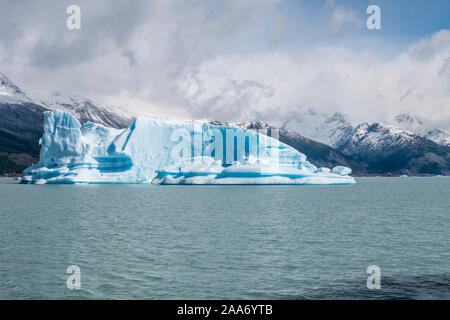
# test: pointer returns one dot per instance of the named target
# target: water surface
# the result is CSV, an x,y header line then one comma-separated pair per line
x,y
226,242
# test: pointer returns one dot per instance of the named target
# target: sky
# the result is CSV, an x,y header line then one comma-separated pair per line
x,y
225,60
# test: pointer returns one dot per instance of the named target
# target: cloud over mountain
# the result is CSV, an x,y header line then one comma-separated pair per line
x,y
221,59
329,79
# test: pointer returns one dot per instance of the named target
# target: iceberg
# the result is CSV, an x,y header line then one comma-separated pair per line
x,y
162,151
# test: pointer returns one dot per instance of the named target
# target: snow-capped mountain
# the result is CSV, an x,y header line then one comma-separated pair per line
x,y
439,137
408,122
321,127
383,148
10,93
86,110
373,139
388,149
370,148
335,130
421,127
21,127
327,140
21,123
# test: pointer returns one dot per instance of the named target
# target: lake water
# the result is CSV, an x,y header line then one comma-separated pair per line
x,y
226,242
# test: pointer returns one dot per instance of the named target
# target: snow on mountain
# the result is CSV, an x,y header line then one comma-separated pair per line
x,y
421,127
251,123
10,93
336,131
407,144
319,154
391,150
86,110
21,123
439,137
408,122
374,148
375,138
21,126
327,129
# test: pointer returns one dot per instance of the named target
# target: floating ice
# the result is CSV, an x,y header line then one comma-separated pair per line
x,y
169,152
209,171
341,170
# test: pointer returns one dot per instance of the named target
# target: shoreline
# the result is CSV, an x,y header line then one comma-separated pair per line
x,y
369,175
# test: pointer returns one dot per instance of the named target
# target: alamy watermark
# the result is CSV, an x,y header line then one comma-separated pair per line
x,y
73,21
374,20
374,279
73,281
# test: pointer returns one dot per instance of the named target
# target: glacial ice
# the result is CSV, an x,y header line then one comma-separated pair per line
x,y
169,152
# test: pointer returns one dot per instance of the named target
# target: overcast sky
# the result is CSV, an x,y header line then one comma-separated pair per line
x,y
224,59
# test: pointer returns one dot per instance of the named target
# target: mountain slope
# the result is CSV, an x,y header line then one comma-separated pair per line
x,y
317,126
378,148
408,122
367,149
21,127
421,127
10,93
86,110
439,137
21,124
390,150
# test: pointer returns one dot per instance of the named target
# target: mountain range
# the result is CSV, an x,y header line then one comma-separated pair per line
x,y
403,147
382,149
22,120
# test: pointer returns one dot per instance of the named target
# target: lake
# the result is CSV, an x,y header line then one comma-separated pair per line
x,y
226,242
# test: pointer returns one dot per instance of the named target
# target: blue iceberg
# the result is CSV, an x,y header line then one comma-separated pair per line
x,y
169,152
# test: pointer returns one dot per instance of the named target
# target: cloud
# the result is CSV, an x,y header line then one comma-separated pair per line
x,y
329,79
210,93
344,20
429,48
38,35
444,73
219,59
125,52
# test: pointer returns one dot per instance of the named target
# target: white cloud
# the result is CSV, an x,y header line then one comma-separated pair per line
x,y
211,91
329,79
125,51
179,58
